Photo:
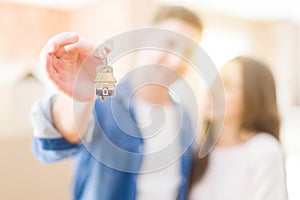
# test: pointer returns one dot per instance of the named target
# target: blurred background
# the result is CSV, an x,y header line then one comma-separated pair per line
x,y
266,29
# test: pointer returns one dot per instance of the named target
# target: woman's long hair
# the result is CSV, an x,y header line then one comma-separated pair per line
x,y
260,111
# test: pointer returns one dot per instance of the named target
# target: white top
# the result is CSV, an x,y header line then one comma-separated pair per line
x,y
158,126
253,170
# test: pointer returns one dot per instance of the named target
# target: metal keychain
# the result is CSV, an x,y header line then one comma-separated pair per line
x,y
105,81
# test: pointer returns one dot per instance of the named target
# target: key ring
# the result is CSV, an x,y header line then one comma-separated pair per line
x,y
102,54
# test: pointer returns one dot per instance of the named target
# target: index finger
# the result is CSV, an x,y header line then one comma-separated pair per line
x,y
63,39
58,41
82,46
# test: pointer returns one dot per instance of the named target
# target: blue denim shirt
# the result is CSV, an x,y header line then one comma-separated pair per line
x,y
96,177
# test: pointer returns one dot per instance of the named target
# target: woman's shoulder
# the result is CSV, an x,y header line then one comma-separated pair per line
x,y
264,139
264,146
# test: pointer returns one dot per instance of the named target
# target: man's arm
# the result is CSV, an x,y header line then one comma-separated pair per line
x,y
72,118
70,63
61,121
49,144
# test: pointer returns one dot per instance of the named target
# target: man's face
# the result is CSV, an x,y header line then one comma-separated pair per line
x,y
172,63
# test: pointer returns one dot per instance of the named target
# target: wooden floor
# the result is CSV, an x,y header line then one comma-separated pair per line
x,y
22,177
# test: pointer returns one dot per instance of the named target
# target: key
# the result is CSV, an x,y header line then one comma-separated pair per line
x,y
105,81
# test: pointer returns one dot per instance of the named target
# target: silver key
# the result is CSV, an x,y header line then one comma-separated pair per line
x,y
105,81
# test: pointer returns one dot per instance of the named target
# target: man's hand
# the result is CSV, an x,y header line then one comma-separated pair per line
x,y
71,63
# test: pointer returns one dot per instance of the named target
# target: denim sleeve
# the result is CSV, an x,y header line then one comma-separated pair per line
x,y
48,144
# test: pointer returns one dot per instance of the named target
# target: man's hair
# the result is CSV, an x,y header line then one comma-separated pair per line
x,y
181,13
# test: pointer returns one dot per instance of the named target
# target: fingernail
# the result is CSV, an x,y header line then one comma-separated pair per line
x,y
72,35
108,44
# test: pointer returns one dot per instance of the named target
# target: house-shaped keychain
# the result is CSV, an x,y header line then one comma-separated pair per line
x,y
105,82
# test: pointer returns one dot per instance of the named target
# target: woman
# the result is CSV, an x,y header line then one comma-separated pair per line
x,y
247,161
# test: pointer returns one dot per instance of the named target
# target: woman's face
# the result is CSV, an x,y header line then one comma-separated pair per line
x,y
231,75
